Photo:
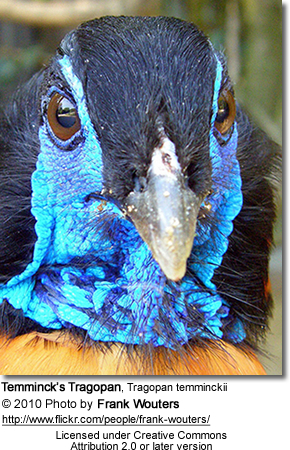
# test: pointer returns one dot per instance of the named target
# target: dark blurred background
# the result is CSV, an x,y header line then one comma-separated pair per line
x,y
249,32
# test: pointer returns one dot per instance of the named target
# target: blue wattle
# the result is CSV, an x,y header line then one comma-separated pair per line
x,y
92,270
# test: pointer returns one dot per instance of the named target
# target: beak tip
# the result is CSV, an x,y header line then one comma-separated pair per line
x,y
176,279
175,275
173,271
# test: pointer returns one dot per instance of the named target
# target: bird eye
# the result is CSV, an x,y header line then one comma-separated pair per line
x,y
226,112
63,117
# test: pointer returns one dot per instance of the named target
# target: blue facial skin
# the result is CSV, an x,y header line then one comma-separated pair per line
x,y
92,270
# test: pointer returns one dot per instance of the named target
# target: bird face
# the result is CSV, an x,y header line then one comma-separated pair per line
x,y
150,146
135,187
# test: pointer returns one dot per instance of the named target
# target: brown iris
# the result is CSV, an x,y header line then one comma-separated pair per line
x,y
226,112
63,117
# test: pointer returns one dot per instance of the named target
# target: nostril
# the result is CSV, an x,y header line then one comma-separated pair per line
x,y
139,183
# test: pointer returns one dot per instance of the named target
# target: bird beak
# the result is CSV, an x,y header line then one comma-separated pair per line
x,y
165,212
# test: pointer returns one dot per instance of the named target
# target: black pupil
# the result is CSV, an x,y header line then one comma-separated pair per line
x,y
66,113
223,111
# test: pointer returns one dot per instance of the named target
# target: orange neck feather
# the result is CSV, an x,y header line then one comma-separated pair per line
x,y
58,354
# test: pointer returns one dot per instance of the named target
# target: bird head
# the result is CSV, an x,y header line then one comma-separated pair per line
x,y
125,181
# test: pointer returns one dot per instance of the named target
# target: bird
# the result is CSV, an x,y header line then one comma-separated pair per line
x,y
137,206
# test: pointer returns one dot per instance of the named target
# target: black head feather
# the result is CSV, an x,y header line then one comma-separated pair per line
x,y
143,70
19,148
